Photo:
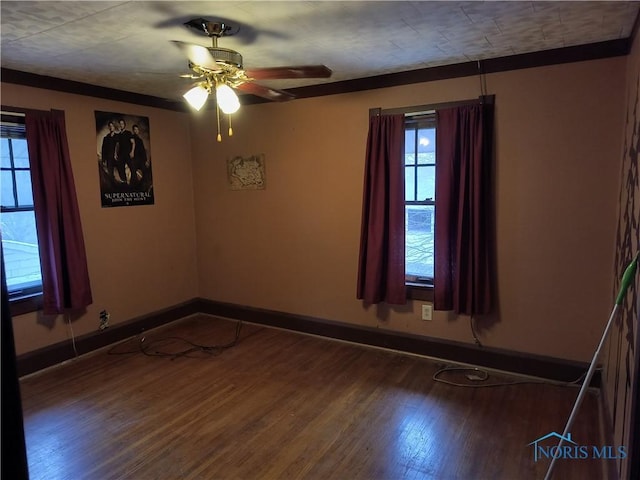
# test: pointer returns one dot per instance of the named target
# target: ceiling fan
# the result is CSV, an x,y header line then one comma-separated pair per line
x,y
221,70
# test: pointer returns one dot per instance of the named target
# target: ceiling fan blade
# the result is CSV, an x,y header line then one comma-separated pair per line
x,y
265,92
299,71
198,55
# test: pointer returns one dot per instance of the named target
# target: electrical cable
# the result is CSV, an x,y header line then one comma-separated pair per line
x,y
483,80
152,347
473,333
73,337
485,376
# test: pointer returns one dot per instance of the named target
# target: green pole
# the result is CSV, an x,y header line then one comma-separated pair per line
x,y
627,279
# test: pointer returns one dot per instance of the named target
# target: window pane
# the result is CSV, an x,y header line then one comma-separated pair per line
x,y
20,153
409,159
426,145
20,248
427,183
427,158
4,154
410,184
6,185
19,227
409,147
23,184
419,241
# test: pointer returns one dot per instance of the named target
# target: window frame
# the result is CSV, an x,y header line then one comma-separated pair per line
x,y
420,291
28,299
421,120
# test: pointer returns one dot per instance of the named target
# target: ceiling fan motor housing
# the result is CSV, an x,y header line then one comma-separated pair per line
x,y
226,56
224,67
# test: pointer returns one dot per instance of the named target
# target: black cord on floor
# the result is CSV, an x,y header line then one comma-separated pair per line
x,y
153,347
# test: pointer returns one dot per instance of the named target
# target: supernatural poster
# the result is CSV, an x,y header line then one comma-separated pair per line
x,y
124,159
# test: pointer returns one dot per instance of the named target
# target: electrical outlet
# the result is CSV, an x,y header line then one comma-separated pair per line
x,y
104,319
427,312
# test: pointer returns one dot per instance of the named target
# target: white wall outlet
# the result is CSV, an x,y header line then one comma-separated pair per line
x,y
427,312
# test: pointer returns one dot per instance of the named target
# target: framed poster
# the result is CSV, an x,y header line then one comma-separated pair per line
x,y
246,173
124,159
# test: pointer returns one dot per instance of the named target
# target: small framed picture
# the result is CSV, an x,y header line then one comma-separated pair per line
x,y
246,173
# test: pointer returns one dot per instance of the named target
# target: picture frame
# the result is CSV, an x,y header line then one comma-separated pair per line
x,y
246,173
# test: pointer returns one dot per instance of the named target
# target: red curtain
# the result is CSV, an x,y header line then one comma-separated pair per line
x,y
65,277
464,138
381,275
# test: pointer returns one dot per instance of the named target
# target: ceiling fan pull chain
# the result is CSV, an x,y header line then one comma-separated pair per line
x,y
230,129
219,138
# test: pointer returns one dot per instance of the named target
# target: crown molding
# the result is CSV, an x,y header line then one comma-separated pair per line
x,y
579,53
18,77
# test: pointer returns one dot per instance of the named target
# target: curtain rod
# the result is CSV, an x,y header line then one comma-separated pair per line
x,y
424,109
417,114
14,114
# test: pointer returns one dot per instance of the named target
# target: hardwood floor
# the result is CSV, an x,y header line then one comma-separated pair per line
x,y
282,405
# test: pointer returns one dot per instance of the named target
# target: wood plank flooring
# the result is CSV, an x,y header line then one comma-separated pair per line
x,y
282,405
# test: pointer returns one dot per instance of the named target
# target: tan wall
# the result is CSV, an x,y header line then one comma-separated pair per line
x,y
141,259
293,247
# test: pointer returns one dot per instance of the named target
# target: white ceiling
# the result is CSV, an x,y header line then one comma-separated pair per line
x,y
127,45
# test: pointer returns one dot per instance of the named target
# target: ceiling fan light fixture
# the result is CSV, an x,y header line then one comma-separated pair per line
x,y
197,96
227,99
220,71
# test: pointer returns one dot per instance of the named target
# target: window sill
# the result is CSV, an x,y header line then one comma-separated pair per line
x,y
419,291
25,304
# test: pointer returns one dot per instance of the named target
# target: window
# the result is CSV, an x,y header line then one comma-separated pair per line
x,y
420,195
17,217
464,131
